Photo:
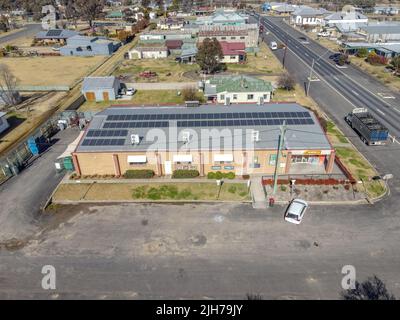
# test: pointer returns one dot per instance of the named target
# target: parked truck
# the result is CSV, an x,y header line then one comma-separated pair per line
x,y
370,130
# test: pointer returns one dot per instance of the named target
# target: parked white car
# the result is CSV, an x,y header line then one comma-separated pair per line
x,y
323,34
130,91
273,45
295,211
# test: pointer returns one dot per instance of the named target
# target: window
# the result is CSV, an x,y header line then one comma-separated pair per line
x,y
272,159
235,97
222,97
233,57
223,38
233,38
250,96
242,38
265,96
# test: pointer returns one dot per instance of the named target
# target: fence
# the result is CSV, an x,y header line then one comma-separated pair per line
x,y
18,158
43,88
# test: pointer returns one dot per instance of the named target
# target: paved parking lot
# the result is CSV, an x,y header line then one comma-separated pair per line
x,y
203,251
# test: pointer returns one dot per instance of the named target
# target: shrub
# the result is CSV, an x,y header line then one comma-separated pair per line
x,y
139,192
375,59
139,174
189,94
185,194
286,81
362,53
182,174
232,189
211,175
245,177
219,175
230,175
283,188
154,194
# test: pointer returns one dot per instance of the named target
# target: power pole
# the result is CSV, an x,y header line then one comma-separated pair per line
x,y
309,79
278,154
284,53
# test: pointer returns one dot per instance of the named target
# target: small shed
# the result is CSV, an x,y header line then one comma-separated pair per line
x,y
100,88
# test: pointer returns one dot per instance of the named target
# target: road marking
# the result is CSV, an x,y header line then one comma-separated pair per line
x,y
397,110
355,92
336,78
317,63
380,112
306,54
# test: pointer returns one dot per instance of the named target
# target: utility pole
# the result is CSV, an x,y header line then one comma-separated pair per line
x,y
284,53
278,154
309,78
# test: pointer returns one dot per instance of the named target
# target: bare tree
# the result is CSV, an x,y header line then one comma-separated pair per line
x,y
371,289
286,81
8,86
90,9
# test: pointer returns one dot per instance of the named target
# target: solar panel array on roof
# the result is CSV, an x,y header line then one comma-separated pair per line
x,y
142,124
107,133
54,33
236,115
103,142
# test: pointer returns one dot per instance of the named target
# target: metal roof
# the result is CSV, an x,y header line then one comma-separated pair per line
x,y
160,128
94,83
240,83
382,29
56,34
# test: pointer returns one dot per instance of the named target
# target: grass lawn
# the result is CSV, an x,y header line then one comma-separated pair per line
x,y
168,70
152,191
335,135
360,169
42,71
263,61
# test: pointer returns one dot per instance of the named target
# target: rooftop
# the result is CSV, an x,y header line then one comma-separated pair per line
x,y
232,48
381,28
91,83
56,34
160,128
237,84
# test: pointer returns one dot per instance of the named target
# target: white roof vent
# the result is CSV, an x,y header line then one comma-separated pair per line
x,y
255,135
135,139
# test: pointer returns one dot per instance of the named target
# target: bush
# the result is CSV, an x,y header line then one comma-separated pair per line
x,y
375,59
362,53
245,177
182,174
286,81
189,94
232,189
211,175
221,175
139,174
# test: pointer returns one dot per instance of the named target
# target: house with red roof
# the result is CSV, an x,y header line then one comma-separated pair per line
x,y
234,52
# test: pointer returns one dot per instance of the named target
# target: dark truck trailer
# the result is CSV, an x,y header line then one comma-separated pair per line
x,y
371,131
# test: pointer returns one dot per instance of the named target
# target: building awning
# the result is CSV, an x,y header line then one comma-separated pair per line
x,y
137,159
223,157
182,158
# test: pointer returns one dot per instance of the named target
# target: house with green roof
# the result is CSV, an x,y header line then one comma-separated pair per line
x,y
237,89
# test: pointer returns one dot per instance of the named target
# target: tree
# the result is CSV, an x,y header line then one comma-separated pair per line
x,y
286,81
71,11
8,86
208,55
371,289
90,9
396,64
145,3
189,94
362,52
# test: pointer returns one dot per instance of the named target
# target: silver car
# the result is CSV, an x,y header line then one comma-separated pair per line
x,y
295,211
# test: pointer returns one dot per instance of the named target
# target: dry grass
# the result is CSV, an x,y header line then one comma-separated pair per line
x,y
151,191
42,71
263,62
168,70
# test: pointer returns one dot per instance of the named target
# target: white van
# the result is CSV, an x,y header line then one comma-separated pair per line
x,y
273,45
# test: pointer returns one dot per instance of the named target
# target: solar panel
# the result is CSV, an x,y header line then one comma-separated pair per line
x,y
107,133
53,33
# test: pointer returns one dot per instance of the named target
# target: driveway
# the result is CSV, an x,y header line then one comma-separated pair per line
x,y
22,196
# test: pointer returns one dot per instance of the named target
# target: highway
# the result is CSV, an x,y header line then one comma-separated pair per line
x,y
388,112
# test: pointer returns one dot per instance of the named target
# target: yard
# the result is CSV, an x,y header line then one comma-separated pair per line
x,y
177,191
167,70
51,71
263,62
141,97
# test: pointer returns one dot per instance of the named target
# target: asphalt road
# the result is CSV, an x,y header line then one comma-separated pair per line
x,y
220,251
29,30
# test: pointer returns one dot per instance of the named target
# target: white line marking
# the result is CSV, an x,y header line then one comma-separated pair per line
x,y
306,54
396,109
355,92
380,112
336,78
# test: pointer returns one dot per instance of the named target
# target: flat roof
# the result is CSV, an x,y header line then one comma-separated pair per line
x,y
160,128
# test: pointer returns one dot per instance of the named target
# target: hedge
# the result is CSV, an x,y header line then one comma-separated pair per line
x,y
220,175
139,174
182,174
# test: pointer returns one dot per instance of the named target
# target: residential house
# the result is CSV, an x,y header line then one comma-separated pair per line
x,y
55,35
238,89
307,16
171,24
282,8
150,52
387,10
3,122
174,46
233,52
88,46
166,35
187,55
100,88
115,15
387,50
121,139
345,18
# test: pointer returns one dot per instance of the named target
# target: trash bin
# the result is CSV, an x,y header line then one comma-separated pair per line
x,y
271,202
